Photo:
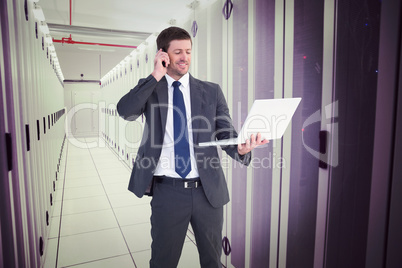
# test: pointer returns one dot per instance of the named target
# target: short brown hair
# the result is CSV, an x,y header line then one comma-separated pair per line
x,y
169,34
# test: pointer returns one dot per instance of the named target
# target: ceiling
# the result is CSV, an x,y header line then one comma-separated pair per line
x,y
116,22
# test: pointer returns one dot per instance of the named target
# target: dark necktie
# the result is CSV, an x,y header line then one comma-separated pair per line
x,y
181,145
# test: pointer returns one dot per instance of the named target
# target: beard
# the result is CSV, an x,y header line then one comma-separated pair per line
x,y
176,71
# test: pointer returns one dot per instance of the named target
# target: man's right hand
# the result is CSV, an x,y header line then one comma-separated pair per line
x,y
159,69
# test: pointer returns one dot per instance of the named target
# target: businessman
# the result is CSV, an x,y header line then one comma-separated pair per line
x,y
186,181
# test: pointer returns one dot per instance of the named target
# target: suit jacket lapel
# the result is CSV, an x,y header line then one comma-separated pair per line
x,y
162,93
196,96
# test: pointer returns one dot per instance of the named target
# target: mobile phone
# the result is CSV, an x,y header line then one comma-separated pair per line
x,y
163,62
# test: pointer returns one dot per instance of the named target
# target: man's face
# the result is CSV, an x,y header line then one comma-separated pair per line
x,y
180,58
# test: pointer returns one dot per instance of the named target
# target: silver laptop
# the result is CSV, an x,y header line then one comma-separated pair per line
x,y
270,117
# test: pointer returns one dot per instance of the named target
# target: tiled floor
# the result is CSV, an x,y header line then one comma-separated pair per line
x,y
96,221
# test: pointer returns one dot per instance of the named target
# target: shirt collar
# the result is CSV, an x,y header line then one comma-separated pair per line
x,y
184,80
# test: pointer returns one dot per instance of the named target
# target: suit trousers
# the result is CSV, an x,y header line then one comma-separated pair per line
x,y
173,208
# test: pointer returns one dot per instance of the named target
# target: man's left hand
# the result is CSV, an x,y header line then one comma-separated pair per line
x,y
254,141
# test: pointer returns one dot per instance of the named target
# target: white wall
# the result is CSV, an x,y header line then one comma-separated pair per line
x,y
94,62
82,103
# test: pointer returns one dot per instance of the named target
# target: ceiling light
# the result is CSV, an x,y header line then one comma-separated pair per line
x,y
97,48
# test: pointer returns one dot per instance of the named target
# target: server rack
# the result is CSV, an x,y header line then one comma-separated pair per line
x,y
32,132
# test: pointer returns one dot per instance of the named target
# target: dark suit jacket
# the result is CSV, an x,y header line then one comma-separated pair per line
x,y
210,120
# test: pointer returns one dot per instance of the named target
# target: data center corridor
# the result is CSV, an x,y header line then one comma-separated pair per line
x,y
96,221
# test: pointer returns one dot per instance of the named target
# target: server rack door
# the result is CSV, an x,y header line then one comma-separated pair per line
x,y
329,127
264,72
384,232
15,231
26,62
239,102
305,136
6,245
120,124
38,137
356,61
72,120
35,152
120,145
394,258
95,111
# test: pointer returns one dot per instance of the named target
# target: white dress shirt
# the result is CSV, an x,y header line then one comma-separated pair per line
x,y
165,165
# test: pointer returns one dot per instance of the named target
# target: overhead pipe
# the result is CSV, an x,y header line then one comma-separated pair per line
x,y
99,32
69,40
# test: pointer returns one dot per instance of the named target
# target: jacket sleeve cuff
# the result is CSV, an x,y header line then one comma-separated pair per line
x,y
244,159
